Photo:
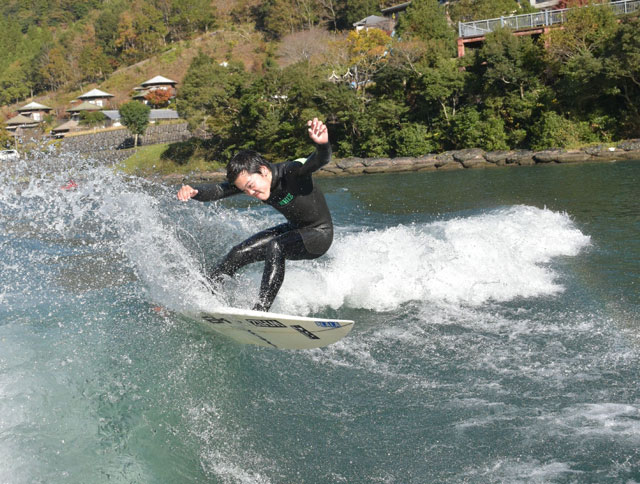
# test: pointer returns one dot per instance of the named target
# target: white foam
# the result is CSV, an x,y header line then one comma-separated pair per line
x,y
497,256
530,471
597,420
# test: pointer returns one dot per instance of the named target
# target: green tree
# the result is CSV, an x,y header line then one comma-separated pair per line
x,y
92,118
135,116
274,108
412,139
6,138
279,17
106,28
55,70
474,129
426,20
622,70
552,130
15,83
184,17
508,74
94,64
209,99
577,55
351,11
509,63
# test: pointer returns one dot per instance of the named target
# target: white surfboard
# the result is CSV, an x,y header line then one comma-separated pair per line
x,y
275,330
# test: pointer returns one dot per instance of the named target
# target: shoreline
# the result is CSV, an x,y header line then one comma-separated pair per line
x,y
472,158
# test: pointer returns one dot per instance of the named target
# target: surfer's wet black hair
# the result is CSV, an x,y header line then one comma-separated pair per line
x,y
245,160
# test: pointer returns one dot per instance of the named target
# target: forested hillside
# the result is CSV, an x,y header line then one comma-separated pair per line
x,y
250,72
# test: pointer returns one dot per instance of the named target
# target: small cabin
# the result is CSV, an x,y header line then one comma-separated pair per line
x,y
35,111
97,97
375,22
154,84
21,122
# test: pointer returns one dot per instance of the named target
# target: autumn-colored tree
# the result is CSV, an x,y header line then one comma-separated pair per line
x,y
159,97
365,53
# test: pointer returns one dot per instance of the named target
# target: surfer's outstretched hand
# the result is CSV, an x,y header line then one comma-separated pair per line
x,y
318,131
186,193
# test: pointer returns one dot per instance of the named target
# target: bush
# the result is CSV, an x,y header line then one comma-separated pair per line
x,y
413,139
91,118
553,130
472,129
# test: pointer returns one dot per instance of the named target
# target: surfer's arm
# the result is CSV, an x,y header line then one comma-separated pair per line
x,y
316,160
207,192
320,135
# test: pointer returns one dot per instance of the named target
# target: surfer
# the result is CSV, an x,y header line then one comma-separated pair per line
x,y
289,188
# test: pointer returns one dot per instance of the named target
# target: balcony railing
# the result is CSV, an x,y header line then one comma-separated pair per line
x,y
526,21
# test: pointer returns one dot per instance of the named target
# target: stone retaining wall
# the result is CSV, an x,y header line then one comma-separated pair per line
x,y
477,158
118,139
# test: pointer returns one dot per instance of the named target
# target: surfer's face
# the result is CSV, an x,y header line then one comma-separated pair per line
x,y
257,185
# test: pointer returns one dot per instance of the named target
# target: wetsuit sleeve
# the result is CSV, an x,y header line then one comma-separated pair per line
x,y
215,191
317,160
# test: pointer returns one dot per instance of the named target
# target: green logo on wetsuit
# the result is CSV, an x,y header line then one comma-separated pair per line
x,y
285,200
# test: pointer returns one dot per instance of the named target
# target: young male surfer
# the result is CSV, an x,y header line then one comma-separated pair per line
x,y
289,188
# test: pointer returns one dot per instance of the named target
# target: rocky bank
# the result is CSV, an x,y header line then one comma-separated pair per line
x,y
459,160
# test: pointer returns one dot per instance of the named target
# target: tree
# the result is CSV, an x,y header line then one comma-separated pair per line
x,y
93,63
351,11
158,98
509,63
426,20
553,130
55,70
308,45
14,83
6,138
577,57
363,54
91,118
209,99
183,17
135,116
622,70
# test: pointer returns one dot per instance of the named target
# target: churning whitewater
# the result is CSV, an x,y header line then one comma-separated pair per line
x,y
500,255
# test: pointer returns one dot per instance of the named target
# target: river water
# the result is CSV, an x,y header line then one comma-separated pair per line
x,y
496,340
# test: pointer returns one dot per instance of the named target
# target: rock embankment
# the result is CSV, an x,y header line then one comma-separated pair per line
x,y
463,159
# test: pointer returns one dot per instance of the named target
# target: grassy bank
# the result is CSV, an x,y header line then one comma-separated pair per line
x,y
158,160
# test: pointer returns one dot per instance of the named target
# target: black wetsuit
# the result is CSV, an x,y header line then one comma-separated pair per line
x,y
307,234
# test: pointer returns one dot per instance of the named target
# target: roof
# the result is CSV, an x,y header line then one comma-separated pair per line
x,y
370,20
140,92
34,107
20,119
112,114
163,114
158,80
69,125
85,106
95,93
396,8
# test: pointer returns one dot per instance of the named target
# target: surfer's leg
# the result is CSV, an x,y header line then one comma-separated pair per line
x,y
251,250
286,246
273,275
